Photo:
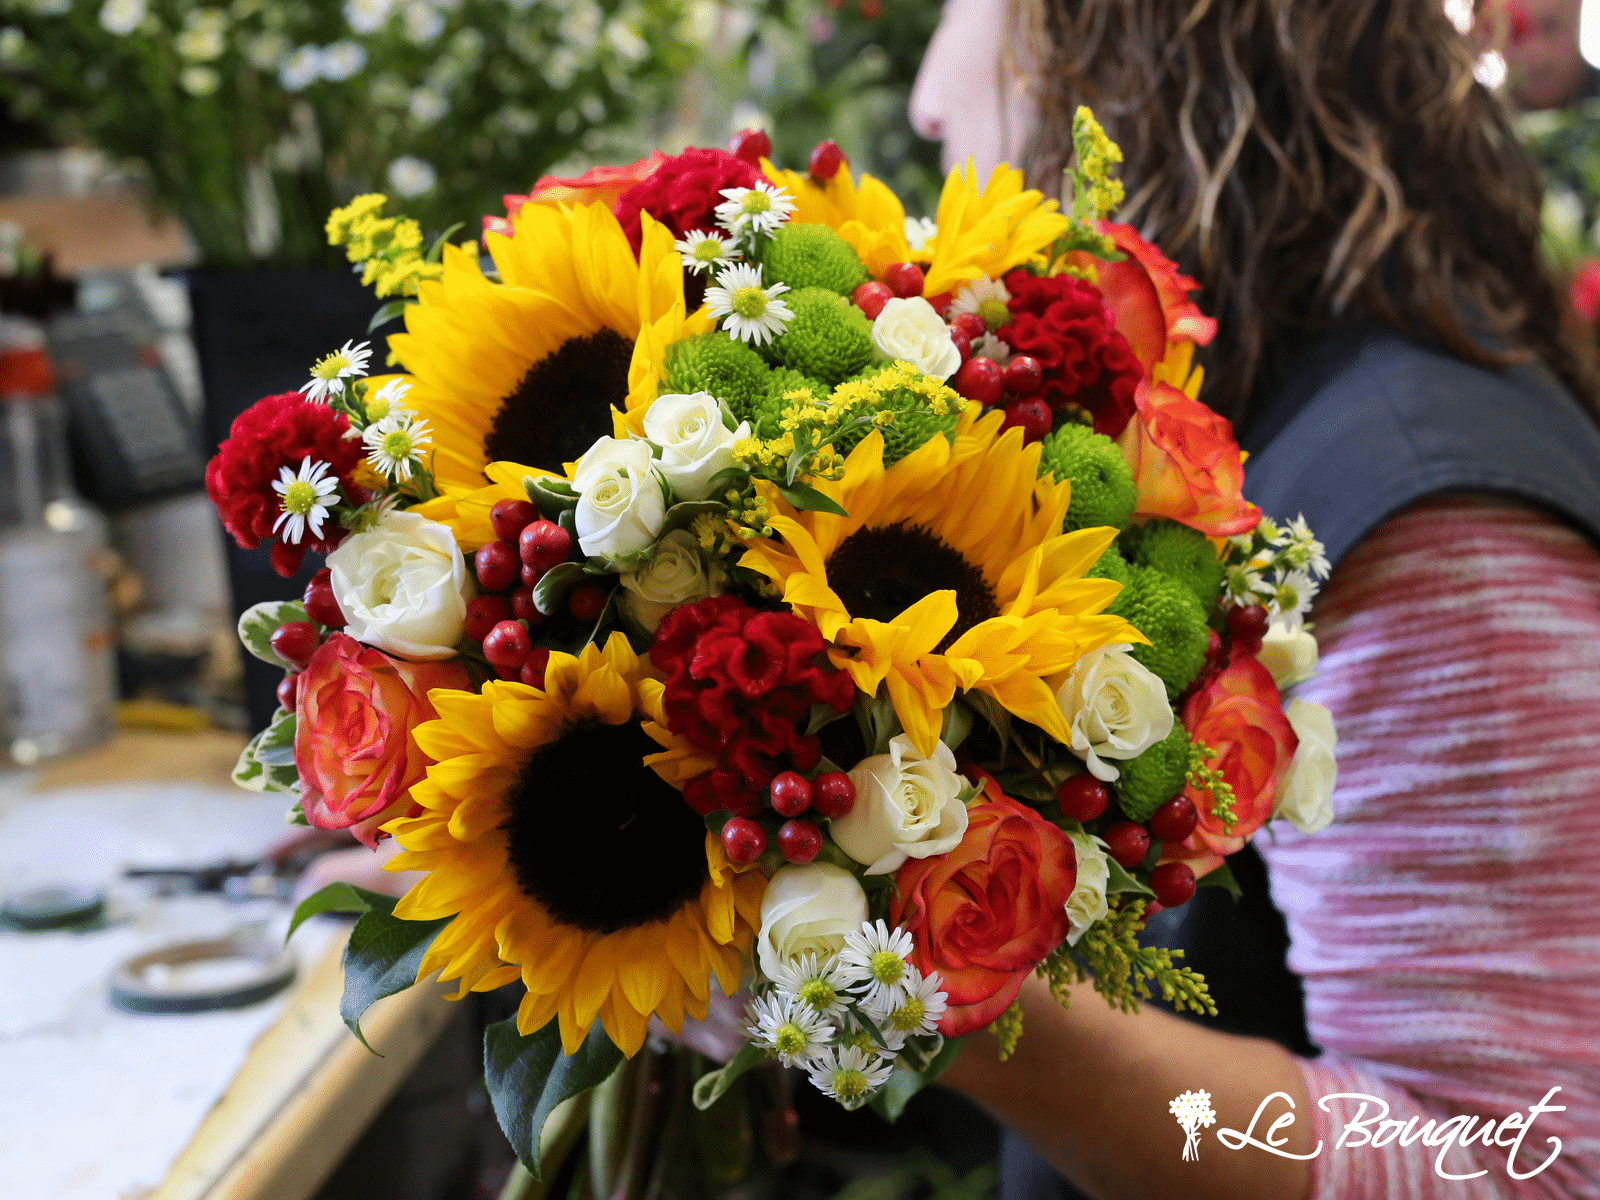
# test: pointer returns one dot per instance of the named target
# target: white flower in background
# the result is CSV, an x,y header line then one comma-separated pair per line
x,y
367,16
621,505
624,38
817,983
807,910
1243,584
204,37
1303,551
395,445
342,59
52,8
1116,707
307,494
1087,904
874,959
704,251
760,209
989,346
1305,794
427,106
918,1012
1291,598
677,574
1563,213
13,44
919,232
989,298
409,176
561,68
849,1075
301,68
199,81
750,311
388,401
518,121
266,51
369,514
910,330
423,22
580,27
1289,655
403,587
907,806
793,1032
122,17
694,439
349,361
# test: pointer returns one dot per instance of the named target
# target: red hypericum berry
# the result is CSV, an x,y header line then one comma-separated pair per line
x,y
799,841
871,297
1173,883
743,841
791,793
1083,797
1247,624
980,379
506,647
751,145
531,576
286,557
586,602
699,795
1032,416
833,794
961,342
295,642
496,566
533,667
826,160
1023,374
319,603
971,324
940,302
905,279
523,608
1175,820
1151,908
511,517
544,544
484,612
1128,843
1214,647
289,691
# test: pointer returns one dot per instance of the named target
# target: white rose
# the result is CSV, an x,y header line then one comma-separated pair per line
x,y
678,574
1289,655
808,910
1305,797
620,503
906,807
403,587
695,443
1116,706
912,330
1087,904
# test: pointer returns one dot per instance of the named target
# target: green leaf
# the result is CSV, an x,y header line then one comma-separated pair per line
x,y
386,314
296,816
266,764
729,477
1222,877
275,744
684,513
1120,881
260,621
550,593
436,251
891,1099
958,721
381,958
340,898
823,715
806,498
708,1089
551,497
528,1076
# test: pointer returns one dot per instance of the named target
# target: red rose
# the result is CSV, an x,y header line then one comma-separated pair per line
x,y
988,912
1239,715
352,740
599,185
1185,463
683,192
1585,291
1065,324
1149,298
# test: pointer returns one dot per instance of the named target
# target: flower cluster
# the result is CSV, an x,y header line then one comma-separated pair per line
x,y
389,250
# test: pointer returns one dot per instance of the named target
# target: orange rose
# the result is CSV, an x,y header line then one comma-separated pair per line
x,y
988,912
1185,463
599,185
354,715
1239,715
1149,297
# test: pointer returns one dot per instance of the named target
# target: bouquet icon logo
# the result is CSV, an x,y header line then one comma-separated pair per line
x,y
1193,1112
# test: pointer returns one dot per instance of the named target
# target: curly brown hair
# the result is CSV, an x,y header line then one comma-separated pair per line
x,y
1311,163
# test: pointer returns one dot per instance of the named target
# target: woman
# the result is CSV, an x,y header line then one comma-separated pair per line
x,y
1365,229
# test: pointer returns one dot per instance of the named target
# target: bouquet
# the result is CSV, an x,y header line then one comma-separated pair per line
x,y
747,587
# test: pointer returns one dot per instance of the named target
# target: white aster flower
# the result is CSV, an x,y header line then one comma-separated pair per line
x,y
266,51
887,1043
349,361
1292,597
342,59
199,81
1270,531
371,513
1304,551
989,346
1243,584
989,298
760,209
427,106
200,43
388,401
919,1010
301,68
410,176
874,961
819,985
919,232
795,1033
122,17
753,313
395,444
848,1075
703,252
367,16
307,494
423,22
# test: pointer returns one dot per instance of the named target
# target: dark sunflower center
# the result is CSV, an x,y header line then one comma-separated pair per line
x,y
879,573
598,838
563,404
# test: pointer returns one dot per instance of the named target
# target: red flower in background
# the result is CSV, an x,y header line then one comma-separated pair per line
x,y
1065,324
683,192
1149,297
1585,291
600,185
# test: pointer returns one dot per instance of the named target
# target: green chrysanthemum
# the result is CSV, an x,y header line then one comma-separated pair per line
x,y
1165,611
767,410
829,338
805,256
1112,566
1185,555
1154,777
914,423
1102,483
715,363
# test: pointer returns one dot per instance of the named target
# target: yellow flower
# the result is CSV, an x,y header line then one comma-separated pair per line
x,y
566,860
867,215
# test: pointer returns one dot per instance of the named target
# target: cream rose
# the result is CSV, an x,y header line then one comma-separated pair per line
x,y
678,574
695,442
403,587
1087,904
620,501
907,806
910,329
808,910
1116,706
1305,796
1289,655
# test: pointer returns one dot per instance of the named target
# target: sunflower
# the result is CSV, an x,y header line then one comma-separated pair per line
x,y
565,859
951,571
534,368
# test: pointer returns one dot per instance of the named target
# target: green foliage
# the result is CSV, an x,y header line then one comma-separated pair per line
x,y
768,410
1147,782
1183,554
829,338
1102,483
716,363
1111,565
812,256
1166,612
528,1076
266,764
260,621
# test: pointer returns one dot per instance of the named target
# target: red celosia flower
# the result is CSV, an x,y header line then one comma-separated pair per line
x,y
740,685
271,434
682,192
599,185
1065,324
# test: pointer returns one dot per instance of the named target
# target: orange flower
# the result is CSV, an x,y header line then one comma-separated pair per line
x,y
352,742
1239,716
1149,297
599,185
1185,463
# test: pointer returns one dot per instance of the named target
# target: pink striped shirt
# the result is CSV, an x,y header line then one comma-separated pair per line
x,y
1447,924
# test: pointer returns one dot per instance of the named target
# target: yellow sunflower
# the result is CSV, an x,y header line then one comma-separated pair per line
x,y
951,571
565,859
534,368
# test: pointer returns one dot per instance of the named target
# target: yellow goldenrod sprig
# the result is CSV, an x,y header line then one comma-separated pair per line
x,y
1097,192
1206,778
389,248
1123,970
1007,1027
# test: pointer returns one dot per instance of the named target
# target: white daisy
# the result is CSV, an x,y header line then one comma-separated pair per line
x,y
1304,551
887,1044
394,444
790,1030
848,1075
327,377
369,515
760,209
918,1013
1292,597
1243,584
307,494
874,960
703,252
989,346
989,298
388,401
752,312
919,232
819,985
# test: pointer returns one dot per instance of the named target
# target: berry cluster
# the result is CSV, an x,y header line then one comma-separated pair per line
x,y
1085,799
296,641
793,796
